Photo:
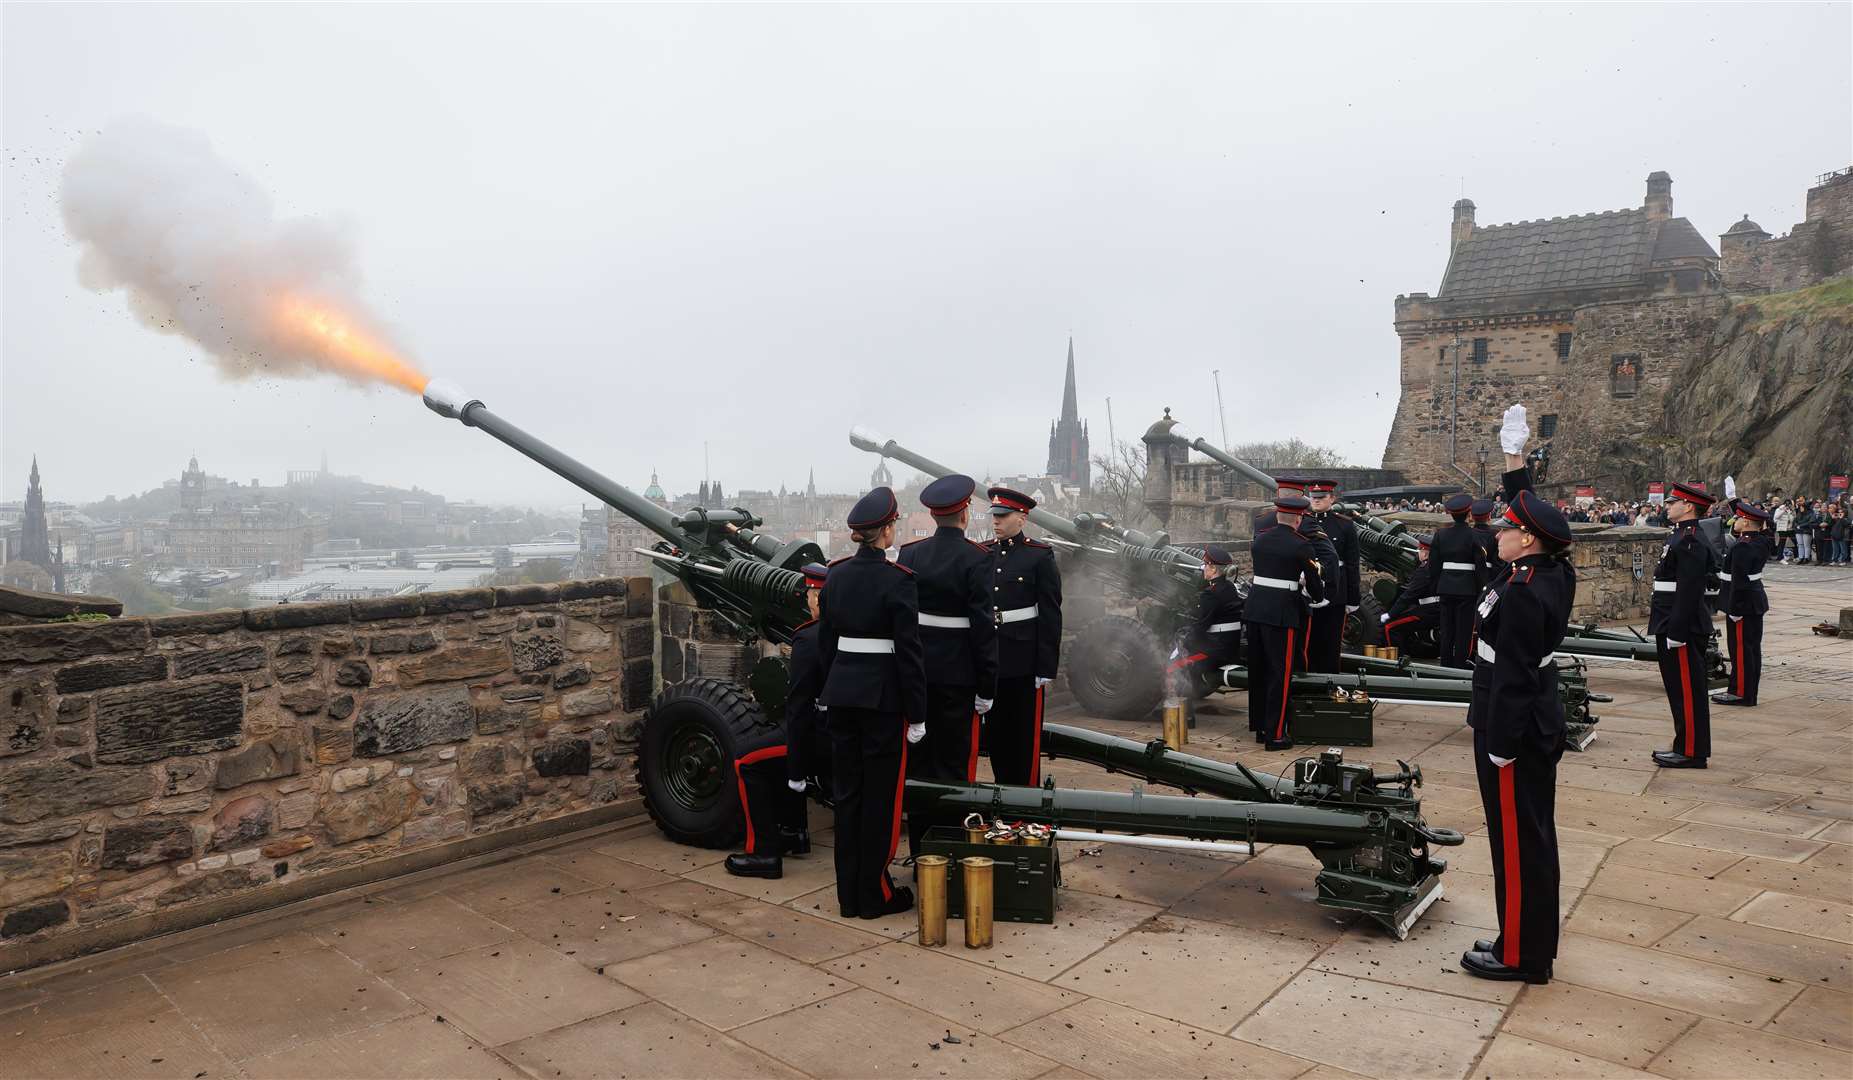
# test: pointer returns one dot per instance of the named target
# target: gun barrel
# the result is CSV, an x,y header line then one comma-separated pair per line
x,y
1218,454
448,400
864,440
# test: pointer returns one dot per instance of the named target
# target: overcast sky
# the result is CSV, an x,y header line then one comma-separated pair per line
x,y
634,229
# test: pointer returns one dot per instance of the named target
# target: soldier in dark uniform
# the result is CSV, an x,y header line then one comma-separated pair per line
x,y
1459,577
1214,640
868,637
1415,609
1680,621
1328,631
1518,727
1746,603
953,576
1283,485
1026,605
1481,513
774,771
1325,626
1286,585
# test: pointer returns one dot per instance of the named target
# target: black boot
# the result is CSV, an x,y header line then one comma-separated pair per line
x,y
1730,699
1279,744
794,841
1667,759
1487,966
765,866
902,900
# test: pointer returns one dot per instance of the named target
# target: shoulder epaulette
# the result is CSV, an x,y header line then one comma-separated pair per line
x,y
803,625
903,569
911,543
976,544
844,559
1526,580
1037,543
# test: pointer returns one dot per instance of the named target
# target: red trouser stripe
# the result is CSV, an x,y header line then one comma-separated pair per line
x,y
1737,661
1186,661
1306,646
971,763
1508,812
1286,689
894,837
1394,623
1685,694
738,779
1035,743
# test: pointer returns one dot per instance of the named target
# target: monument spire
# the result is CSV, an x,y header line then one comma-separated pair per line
x,y
1070,411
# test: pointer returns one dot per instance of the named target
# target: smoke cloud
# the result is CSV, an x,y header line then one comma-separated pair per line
x,y
199,251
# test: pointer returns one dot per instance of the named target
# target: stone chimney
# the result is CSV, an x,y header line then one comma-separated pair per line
x,y
1659,203
1463,224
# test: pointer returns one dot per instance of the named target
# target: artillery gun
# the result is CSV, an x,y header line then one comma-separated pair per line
x,y
1366,830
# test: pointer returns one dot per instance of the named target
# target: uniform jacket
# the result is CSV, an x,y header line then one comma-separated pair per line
x,y
1344,534
1023,574
1418,595
1744,563
1219,604
1685,569
953,577
1331,572
1489,543
804,678
1283,555
1459,561
869,598
1520,621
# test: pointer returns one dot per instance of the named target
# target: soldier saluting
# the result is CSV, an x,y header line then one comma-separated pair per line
x,y
1026,606
1460,573
1680,621
868,639
1286,586
957,631
1745,604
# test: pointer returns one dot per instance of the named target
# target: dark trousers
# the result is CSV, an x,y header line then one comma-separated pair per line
x,y
1272,656
1456,631
1013,732
1401,632
1324,639
950,749
868,754
1745,638
1682,670
1521,822
1199,671
767,801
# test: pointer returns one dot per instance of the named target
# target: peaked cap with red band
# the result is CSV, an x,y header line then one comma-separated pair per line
x,y
1291,504
1693,493
1538,517
949,494
874,510
1007,500
814,574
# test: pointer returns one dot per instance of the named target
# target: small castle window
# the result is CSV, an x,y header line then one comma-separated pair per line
x,y
1479,350
1563,345
1547,426
1624,374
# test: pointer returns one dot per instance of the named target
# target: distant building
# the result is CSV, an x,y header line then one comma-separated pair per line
x,y
219,527
1068,449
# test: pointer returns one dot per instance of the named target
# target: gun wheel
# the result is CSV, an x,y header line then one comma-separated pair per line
x,y
692,733
1116,669
1363,627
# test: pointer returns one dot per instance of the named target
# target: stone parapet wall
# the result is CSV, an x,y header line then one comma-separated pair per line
x,y
157,773
1610,584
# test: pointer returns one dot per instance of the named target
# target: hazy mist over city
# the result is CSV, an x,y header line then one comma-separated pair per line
x,y
642,232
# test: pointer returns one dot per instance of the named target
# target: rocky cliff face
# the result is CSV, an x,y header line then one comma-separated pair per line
x,y
1769,400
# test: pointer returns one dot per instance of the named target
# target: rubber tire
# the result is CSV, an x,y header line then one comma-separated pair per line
x,y
732,720
1364,626
1116,669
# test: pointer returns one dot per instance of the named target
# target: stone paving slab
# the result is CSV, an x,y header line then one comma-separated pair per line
x,y
1708,932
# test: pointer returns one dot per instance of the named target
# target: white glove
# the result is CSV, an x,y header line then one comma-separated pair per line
x,y
915,732
1730,488
1675,644
981,705
1383,618
1514,433
1042,681
1735,618
1351,609
797,785
1502,762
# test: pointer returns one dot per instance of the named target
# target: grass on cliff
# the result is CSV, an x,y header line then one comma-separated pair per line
x,y
1828,298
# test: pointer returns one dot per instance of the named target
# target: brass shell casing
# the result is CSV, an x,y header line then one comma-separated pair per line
x,y
979,904
930,877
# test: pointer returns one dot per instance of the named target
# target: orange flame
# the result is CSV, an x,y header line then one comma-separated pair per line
x,y
325,334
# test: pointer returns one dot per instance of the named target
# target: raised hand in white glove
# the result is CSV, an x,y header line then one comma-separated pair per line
x,y
915,732
1730,487
1514,433
1042,681
1502,762
1383,618
797,785
981,705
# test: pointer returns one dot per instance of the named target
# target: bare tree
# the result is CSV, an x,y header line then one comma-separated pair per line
x,y
1119,485
1288,454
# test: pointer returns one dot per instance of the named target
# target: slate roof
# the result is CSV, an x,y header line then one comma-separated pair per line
x,y
1615,247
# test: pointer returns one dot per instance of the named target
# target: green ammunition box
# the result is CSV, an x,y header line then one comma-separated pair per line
x,y
1320,721
1023,880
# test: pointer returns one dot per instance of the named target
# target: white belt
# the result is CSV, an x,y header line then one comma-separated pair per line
x,y
1429,600
1487,654
1457,566
1754,577
1275,582
1666,586
946,622
1017,614
1223,627
865,644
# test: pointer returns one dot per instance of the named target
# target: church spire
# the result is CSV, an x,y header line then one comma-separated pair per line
x,y
1069,409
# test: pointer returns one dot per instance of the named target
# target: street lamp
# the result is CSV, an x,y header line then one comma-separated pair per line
x,y
1483,456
